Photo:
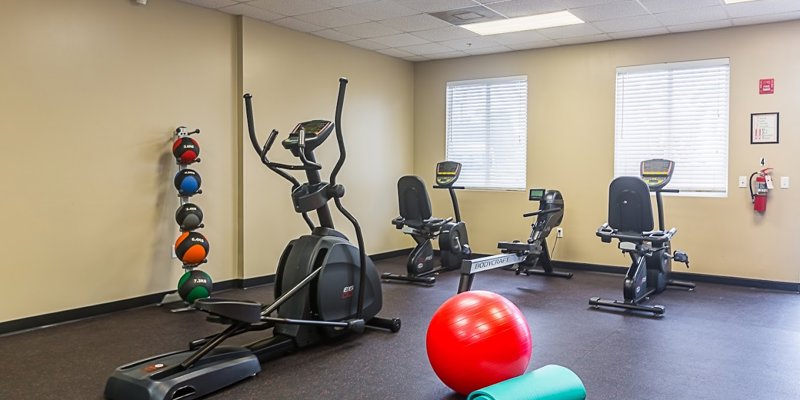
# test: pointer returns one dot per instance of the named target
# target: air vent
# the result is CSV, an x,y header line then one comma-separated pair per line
x,y
469,15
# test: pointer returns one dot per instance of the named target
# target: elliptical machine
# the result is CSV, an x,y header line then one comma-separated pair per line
x,y
415,219
523,258
630,220
321,290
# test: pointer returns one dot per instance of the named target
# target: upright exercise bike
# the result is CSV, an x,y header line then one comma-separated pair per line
x,y
325,287
630,220
415,219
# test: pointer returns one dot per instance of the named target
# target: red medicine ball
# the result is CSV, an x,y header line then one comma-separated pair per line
x,y
186,150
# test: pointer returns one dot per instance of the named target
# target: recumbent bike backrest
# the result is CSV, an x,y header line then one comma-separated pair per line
x,y
629,208
415,205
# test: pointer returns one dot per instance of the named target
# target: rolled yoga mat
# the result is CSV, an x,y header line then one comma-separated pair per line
x,y
551,382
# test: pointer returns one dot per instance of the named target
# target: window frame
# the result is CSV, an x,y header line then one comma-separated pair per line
x,y
524,135
668,67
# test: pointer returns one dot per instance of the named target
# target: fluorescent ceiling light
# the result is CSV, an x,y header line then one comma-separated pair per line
x,y
540,21
735,1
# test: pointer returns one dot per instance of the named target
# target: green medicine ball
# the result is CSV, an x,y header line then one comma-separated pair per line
x,y
193,285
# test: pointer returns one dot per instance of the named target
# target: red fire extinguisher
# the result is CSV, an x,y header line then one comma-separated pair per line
x,y
763,184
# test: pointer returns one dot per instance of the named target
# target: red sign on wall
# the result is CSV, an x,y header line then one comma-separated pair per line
x,y
766,86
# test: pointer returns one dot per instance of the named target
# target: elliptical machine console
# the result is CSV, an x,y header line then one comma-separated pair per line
x,y
415,219
630,221
324,287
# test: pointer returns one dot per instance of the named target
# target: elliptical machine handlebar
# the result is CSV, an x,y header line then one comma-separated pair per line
x,y
337,123
262,151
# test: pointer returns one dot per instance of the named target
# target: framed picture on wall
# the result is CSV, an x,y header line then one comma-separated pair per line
x,y
764,128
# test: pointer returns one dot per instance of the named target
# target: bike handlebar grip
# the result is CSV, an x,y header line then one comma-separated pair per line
x,y
669,190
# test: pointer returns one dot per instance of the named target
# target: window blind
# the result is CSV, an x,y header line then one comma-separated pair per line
x,y
677,111
487,130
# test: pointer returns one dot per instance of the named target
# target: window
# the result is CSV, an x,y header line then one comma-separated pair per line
x,y
487,131
677,111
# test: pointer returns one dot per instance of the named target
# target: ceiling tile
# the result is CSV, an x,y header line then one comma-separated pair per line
x,y
252,12
427,48
211,3
628,24
583,39
333,34
562,32
487,50
436,5
532,45
379,10
402,39
519,37
296,24
395,53
659,6
290,7
699,26
521,8
449,54
368,44
585,3
761,8
333,18
639,33
763,19
368,30
470,43
699,15
416,58
617,9
413,23
449,33
343,3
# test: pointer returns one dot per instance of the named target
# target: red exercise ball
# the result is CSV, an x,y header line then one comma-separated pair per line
x,y
476,339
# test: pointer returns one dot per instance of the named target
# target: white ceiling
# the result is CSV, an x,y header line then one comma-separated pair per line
x,y
404,29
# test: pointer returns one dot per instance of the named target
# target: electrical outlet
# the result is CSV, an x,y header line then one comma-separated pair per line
x,y
560,232
784,182
173,252
742,181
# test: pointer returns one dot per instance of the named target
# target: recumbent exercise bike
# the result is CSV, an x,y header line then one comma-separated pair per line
x,y
415,219
630,220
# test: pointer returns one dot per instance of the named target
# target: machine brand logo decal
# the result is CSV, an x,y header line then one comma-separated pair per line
x,y
347,292
491,263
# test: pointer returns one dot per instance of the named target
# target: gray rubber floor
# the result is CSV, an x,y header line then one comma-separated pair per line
x,y
718,342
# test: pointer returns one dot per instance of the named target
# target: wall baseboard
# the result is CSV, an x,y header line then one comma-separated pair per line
x,y
59,317
390,254
688,276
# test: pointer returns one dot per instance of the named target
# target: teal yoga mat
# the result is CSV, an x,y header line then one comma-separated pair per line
x,y
551,382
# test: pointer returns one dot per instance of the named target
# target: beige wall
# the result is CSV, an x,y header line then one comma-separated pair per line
x,y
91,91
571,94
293,77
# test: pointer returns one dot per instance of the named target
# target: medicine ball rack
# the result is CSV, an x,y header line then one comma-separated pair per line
x,y
186,151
